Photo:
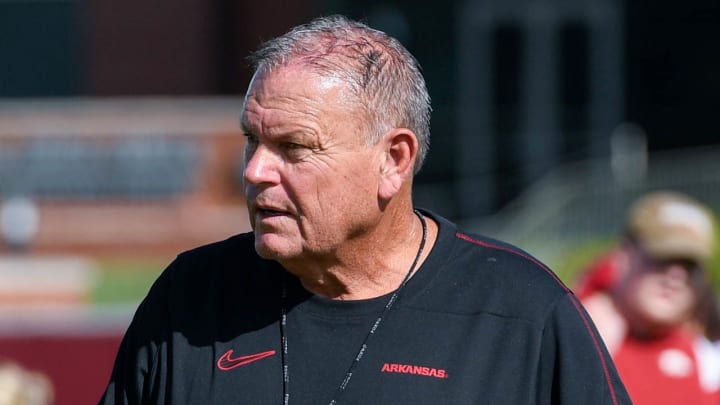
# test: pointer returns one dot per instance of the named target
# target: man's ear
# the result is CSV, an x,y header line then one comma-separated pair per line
x,y
400,149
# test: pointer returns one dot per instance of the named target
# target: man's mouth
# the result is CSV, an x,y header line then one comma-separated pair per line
x,y
270,212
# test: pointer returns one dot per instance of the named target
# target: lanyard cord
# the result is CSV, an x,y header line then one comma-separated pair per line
x,y
371,332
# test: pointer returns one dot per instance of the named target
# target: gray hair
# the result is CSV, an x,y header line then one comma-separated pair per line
x,y
384,76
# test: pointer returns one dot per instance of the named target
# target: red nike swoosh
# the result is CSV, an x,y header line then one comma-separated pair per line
x,y
226,362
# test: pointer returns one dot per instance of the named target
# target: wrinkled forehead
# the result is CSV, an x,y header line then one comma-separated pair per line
x,y
295,90
300,82
282,77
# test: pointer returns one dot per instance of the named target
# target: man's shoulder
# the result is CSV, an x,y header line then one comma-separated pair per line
x,y
223,267
239,244
231,255
488,257
508,280
504,256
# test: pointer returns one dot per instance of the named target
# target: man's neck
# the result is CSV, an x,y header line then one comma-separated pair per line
x,y
368,266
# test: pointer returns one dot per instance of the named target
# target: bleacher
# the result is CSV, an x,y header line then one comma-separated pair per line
x,y
125,172
69,167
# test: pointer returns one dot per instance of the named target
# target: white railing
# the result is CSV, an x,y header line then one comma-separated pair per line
x,y
585,200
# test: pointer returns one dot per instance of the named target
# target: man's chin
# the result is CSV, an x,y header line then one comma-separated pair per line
x,y
272,249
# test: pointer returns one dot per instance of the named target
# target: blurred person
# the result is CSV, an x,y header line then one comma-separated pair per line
x,y
19,386
653,303
344,292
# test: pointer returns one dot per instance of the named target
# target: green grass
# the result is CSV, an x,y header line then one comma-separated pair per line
x,y
122,281
574,260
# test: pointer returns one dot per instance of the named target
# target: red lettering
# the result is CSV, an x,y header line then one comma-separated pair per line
x,y
416,370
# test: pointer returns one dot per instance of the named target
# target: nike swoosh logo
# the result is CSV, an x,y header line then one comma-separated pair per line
x,y
227,362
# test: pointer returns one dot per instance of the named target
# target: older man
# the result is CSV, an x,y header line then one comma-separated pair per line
x,y
344,293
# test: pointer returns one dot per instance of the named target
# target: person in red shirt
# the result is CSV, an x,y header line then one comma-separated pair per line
x,y
653,305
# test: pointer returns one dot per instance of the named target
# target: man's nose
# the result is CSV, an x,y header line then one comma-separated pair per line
x,y
261,166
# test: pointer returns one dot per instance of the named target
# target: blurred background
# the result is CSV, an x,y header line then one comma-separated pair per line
x,y
119,141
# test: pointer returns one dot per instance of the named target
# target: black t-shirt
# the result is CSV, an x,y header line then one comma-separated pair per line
x,y
481,322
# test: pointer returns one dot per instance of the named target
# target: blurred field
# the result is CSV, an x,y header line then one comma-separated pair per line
x,y
128,280
125,280
572,261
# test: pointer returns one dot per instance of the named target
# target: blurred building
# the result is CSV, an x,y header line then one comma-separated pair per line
x,y
518,87
124,176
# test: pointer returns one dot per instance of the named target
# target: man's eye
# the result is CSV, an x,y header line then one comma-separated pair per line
x,y
295,151
293,146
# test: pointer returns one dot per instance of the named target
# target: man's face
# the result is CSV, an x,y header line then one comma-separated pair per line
x,y
310,180
659,291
